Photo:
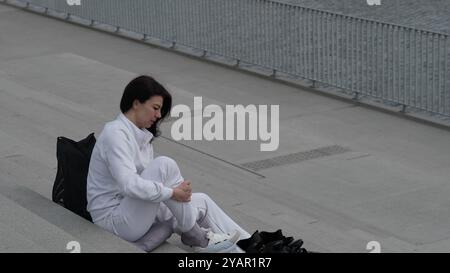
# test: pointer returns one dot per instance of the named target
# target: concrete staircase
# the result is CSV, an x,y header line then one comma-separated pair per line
x,y
64,80
29,220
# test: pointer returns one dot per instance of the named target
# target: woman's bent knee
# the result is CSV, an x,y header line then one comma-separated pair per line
x,y
165,160
163,169
163,164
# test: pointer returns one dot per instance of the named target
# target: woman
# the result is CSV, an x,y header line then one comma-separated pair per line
x,y
144,199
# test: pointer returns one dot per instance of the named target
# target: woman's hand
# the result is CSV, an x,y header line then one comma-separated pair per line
x,y
183,192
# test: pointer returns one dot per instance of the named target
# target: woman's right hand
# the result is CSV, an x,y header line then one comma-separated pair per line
x,y
183,192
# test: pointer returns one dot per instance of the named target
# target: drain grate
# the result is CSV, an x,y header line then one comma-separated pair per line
x,y
295,157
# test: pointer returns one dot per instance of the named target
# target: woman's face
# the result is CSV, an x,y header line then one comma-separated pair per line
x,y
148,112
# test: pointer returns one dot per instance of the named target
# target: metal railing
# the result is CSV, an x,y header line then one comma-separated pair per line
x,y
393,63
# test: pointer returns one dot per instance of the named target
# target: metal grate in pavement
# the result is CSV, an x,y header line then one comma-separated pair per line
x,y
295,157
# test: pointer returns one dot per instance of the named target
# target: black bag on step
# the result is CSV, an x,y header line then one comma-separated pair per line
x,y
69,188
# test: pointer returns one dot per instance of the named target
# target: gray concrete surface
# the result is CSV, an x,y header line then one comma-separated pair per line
x,y
56,79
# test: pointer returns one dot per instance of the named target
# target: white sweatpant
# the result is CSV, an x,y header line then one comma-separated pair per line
x,y
134,218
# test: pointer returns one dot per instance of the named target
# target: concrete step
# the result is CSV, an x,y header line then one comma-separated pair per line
x,y
30,222
32,231
13,242
50,226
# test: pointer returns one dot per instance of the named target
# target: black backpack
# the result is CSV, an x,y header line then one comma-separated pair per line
x,y
69,189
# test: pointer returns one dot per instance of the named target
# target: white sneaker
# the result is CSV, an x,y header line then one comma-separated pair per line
x,y
219,243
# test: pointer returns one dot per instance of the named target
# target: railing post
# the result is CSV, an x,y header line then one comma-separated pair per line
x,y
274,73
403,110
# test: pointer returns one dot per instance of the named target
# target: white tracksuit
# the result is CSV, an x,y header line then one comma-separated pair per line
x,y
129,192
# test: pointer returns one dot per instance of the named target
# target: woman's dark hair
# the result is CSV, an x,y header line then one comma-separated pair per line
x,y
142,89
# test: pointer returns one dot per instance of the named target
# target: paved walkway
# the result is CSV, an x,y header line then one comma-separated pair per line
x,y
342,176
